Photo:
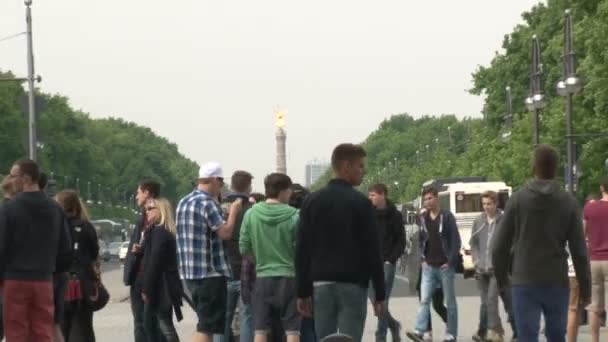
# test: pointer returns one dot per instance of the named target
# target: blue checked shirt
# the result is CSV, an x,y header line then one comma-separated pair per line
x,y
200,250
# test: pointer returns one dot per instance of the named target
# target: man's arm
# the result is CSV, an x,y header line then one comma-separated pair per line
x,y
578,251
304,252
245,238
399,233
64,250
371,249
223,229
474,242
4,238
456,241
502,243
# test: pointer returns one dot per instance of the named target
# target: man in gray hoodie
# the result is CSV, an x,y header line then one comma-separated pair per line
x,y
530,243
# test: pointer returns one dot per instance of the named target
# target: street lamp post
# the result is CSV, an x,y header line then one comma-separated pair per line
x,y
567,87
418,156
30,82
78,186
428,156
535,101
508,113
89,192
449,135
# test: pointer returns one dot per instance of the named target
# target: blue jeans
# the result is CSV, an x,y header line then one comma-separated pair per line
x,y
431,278
340,307
233,294
530,301
247,323
387,320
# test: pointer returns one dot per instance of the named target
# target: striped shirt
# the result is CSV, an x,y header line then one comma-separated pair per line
x,y
200,250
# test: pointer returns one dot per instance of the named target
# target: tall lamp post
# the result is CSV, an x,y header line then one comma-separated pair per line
x,y
508,113
567,87
535,101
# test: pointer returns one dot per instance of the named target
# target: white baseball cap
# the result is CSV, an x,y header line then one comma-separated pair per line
x,y
211,170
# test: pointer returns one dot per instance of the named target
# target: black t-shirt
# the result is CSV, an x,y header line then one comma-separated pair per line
x,y
435,256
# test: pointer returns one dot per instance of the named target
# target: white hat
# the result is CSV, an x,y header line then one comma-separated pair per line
x,y
211,170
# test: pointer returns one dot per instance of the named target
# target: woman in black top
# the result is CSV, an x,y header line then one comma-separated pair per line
x,y
77,324
162,289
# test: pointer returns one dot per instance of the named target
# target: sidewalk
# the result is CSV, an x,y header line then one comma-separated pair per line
x,y
112,280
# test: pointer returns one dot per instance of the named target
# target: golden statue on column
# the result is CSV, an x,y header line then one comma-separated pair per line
x,y
281,136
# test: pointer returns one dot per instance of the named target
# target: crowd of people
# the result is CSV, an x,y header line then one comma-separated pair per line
x,y
289,265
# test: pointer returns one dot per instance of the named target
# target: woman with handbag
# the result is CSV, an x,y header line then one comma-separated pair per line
x,y
162,289
77,324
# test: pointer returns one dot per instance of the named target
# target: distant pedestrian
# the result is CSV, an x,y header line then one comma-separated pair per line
x,y
338,251
530,243
77,325
162,289
596,229
201,254
34,243
269,233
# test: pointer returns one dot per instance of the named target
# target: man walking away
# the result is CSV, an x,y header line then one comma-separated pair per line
x,y
482,233
440,245
202,260
531,242
596,228
133,266
338,251
392,237
34,243
269,233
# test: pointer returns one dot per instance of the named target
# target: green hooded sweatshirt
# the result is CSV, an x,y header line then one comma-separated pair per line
x,y
269,233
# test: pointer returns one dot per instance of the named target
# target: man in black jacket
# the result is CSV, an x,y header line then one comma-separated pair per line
x,y
34,243
133,265
392,237
530,243
338,251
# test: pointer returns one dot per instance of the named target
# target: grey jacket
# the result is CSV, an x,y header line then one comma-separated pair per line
x,y
481,235
530,243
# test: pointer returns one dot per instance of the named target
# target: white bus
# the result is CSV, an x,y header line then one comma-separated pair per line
x,y
462,196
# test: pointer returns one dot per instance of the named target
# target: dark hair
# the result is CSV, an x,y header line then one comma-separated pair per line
x,y
546,161
151,186
71,204
30,168
604,184
258,197
491,195
379,188
275,183
346,153
43,181
241,181
430,190
298,195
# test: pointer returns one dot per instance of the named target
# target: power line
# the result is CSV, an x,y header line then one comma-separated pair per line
x,y
12,36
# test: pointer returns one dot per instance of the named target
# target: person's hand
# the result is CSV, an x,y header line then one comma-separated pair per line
x,y
305,306
380,308
144,297
136,249
444,266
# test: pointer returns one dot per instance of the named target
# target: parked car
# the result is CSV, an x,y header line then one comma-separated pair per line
x,y
115,249
104,251
124,248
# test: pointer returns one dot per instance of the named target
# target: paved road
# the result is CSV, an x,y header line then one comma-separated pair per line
x,y
114,323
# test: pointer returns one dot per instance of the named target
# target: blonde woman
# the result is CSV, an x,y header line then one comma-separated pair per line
x,y
77,323
162,289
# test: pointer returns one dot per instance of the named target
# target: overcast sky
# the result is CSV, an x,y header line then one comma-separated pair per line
x,y
207,74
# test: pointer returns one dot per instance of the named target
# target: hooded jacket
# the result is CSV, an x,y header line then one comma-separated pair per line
x,y
34,238
391,231
450,238
531,240
482,234
269,233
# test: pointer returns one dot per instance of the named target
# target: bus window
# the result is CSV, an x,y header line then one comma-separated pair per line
x,y
444,201
503,197
468,203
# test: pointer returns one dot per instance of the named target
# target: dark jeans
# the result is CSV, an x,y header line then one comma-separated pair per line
x,y
387,320
530,301
307,333
340,307
158,325
78,323
137,309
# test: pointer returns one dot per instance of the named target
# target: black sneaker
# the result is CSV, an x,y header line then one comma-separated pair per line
x,y
414,336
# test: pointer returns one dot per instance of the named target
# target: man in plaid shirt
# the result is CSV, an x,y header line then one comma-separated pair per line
x,y
202,261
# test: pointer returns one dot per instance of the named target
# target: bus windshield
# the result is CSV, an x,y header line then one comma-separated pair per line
x,y
471,203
